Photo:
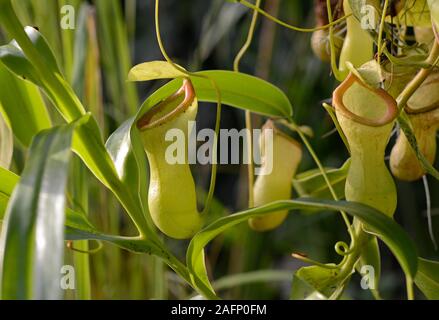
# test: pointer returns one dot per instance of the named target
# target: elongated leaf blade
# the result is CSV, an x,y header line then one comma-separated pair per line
x,y
238,90
33,232
384,227
312,183
126,151
23,106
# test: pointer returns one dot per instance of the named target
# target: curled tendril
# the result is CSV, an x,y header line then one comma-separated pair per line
x,y
342,248
91,251
392,108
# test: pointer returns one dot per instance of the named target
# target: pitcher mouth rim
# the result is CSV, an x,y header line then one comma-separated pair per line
x,y
392,108
186,90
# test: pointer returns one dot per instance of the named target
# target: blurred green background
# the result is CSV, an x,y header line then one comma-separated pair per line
x,y
207,34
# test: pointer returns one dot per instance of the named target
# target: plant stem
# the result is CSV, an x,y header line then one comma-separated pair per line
x,y
409,286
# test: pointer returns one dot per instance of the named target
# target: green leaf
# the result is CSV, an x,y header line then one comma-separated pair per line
x,y
381,225
6,143
23,106
14,58
154,70
33,231
89,146
8,182
312,183
238,90
74,220
316,283
126,150
31,57
427,278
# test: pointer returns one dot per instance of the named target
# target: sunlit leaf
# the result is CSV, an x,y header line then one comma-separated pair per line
x,y
238,90
23,106
33,59
33,231
126,151
154,70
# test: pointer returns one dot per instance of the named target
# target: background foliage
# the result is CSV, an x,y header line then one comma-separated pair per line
x,y
112,36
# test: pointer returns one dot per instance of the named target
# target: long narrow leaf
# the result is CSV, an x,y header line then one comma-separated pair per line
x,y
23,106
6,143
33,232
238,90
385,228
